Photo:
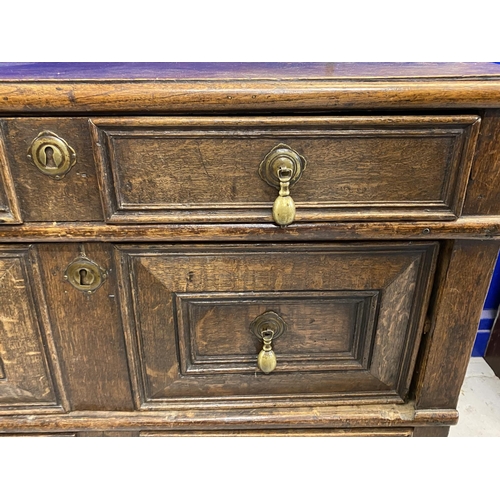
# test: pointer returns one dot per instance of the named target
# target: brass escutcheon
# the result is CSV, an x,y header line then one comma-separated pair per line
x,y
281,168
267,327
85,275
52,155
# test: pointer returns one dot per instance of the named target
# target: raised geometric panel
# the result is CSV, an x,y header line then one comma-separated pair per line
x,y
9,206
203,169
27,380
354,315
213,330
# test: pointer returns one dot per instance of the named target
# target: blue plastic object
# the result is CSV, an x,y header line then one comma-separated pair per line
x,y
488,315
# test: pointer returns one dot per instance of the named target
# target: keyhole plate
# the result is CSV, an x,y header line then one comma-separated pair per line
x,y
268,321
51,154
85,275
281,156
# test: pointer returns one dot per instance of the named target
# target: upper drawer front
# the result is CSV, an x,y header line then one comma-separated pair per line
x,y
206,169
36,195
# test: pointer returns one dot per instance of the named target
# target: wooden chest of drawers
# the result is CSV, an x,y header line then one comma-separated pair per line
x,y
149,287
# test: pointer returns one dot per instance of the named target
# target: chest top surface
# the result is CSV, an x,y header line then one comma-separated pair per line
x,y
244,70
66,88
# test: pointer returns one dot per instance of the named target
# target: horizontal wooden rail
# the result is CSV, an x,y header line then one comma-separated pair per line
x,y
314,417
170,96
479,228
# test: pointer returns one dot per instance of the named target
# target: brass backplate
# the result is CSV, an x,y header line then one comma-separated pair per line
x,y
51,154
279,156
268,321
85,275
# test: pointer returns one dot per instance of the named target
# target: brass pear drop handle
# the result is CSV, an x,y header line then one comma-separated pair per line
x,y
266,360
267,327
282,168
284,206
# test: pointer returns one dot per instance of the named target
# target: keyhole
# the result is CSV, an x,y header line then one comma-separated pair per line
x,y
49,158
86,278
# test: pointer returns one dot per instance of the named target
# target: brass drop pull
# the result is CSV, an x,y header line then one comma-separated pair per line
x,y
266,361
267,327
284,206
281,168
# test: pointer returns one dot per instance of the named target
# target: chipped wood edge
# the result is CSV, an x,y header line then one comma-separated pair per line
x,y
471,227
266,418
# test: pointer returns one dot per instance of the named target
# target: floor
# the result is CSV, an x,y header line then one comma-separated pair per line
x,y
479,403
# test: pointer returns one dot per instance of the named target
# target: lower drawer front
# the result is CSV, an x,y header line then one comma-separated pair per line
x,y
27,382
352,315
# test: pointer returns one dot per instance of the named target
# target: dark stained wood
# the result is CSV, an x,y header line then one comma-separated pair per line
x,y
29,375
483,195
384,432
108,434
472,228
378,342
325,330
178,357
492,354
465,272
266,419
246,96
87,330
9,205
439,431
437,417
42,198
41,434
242,70
207,169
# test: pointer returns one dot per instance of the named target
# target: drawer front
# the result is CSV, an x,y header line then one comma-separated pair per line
x,y
356,168
9,205
44,194
26,376
353,315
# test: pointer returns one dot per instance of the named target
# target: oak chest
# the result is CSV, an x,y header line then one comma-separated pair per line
x,y
297,249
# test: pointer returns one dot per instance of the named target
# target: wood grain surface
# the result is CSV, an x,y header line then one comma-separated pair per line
x,y
242,70
9,204
464,275
200,169
483,193
472,228
380,280
29,372
166,339
42,198
266,419
80,97
87,330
